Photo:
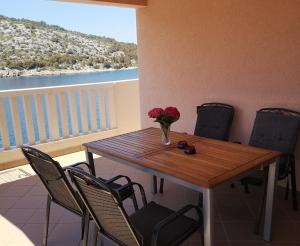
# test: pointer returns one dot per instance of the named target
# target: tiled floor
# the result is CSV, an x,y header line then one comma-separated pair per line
x,y
23,199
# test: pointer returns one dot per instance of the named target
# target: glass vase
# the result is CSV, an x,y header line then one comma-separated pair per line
x,y
165,135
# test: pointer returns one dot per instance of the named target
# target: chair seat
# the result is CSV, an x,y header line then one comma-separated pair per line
x,y
145,219
255,178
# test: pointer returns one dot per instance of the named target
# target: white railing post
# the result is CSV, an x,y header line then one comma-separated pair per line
x,y
93,112
3,126
102,109
52,115
74,115
41,118
64,114
83,111
29,120
111,107
16,120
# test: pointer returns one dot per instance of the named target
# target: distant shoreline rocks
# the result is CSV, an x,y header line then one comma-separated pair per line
x,y
29,73
31,48
10,73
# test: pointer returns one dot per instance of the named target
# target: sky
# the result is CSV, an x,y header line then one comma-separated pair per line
x,y
113,22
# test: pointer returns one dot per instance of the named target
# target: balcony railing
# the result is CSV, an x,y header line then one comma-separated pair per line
x,y
54,114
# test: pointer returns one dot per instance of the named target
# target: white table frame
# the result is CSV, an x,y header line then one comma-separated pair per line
x,y
208,193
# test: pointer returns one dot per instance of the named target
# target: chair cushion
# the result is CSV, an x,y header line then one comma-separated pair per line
x,y
146,218
275,131
213,122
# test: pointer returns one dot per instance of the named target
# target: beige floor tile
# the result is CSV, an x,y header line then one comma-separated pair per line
x,y
11,232
16,191
69,217
69,234
39,215
38,190
31,202
34,233
19,216
3,210
8,202
22,210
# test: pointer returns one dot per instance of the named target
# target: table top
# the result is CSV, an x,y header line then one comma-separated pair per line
x,y
214,163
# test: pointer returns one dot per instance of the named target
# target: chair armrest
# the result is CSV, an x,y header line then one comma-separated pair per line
x,y
117,178
158,227
79,164
290,163
142,191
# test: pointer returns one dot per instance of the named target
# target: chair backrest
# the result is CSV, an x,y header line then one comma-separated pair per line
x,y
214,120
277,129
106,208
53,178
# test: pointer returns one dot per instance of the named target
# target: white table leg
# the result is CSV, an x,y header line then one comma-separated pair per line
x,y
208,216
272,179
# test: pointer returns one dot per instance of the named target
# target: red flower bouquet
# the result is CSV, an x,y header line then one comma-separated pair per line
x,y
165,118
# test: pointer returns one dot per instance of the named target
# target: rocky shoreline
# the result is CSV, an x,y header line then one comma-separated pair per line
x,y
28,73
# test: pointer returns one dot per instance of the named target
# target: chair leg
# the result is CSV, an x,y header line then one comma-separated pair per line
x,y
287,189
261,203
246,187
95,235
294,188
200,200
161,186
202,237
45,238
82,226
154,184
201,230
101,240
86,228
135,204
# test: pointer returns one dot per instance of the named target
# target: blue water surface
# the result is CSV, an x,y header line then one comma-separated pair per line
x,y
66,79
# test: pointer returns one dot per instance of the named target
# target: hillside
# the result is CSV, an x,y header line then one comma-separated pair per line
x,y
34,48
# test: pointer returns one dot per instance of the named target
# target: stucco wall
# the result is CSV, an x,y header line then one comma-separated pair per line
x,y
245,53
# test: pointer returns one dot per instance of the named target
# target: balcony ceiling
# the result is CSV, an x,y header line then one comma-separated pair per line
x,y
124,3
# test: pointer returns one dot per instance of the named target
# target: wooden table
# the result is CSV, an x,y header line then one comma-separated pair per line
x,y
215,163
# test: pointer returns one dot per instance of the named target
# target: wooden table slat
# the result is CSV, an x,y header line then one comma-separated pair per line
x,y
215,161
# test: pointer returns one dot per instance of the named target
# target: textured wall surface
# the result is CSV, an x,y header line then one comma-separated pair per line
x,y
245,53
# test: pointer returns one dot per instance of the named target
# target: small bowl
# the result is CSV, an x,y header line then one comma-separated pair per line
x,y
190,150
182,144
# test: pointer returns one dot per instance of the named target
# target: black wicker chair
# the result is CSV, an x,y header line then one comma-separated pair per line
x,y
213,121
151,225
276,129
60,190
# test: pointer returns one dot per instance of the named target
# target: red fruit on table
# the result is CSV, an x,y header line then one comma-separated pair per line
x,y
190,150
182,144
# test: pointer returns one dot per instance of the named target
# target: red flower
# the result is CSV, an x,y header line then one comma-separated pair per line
x,y
154,113
172,112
